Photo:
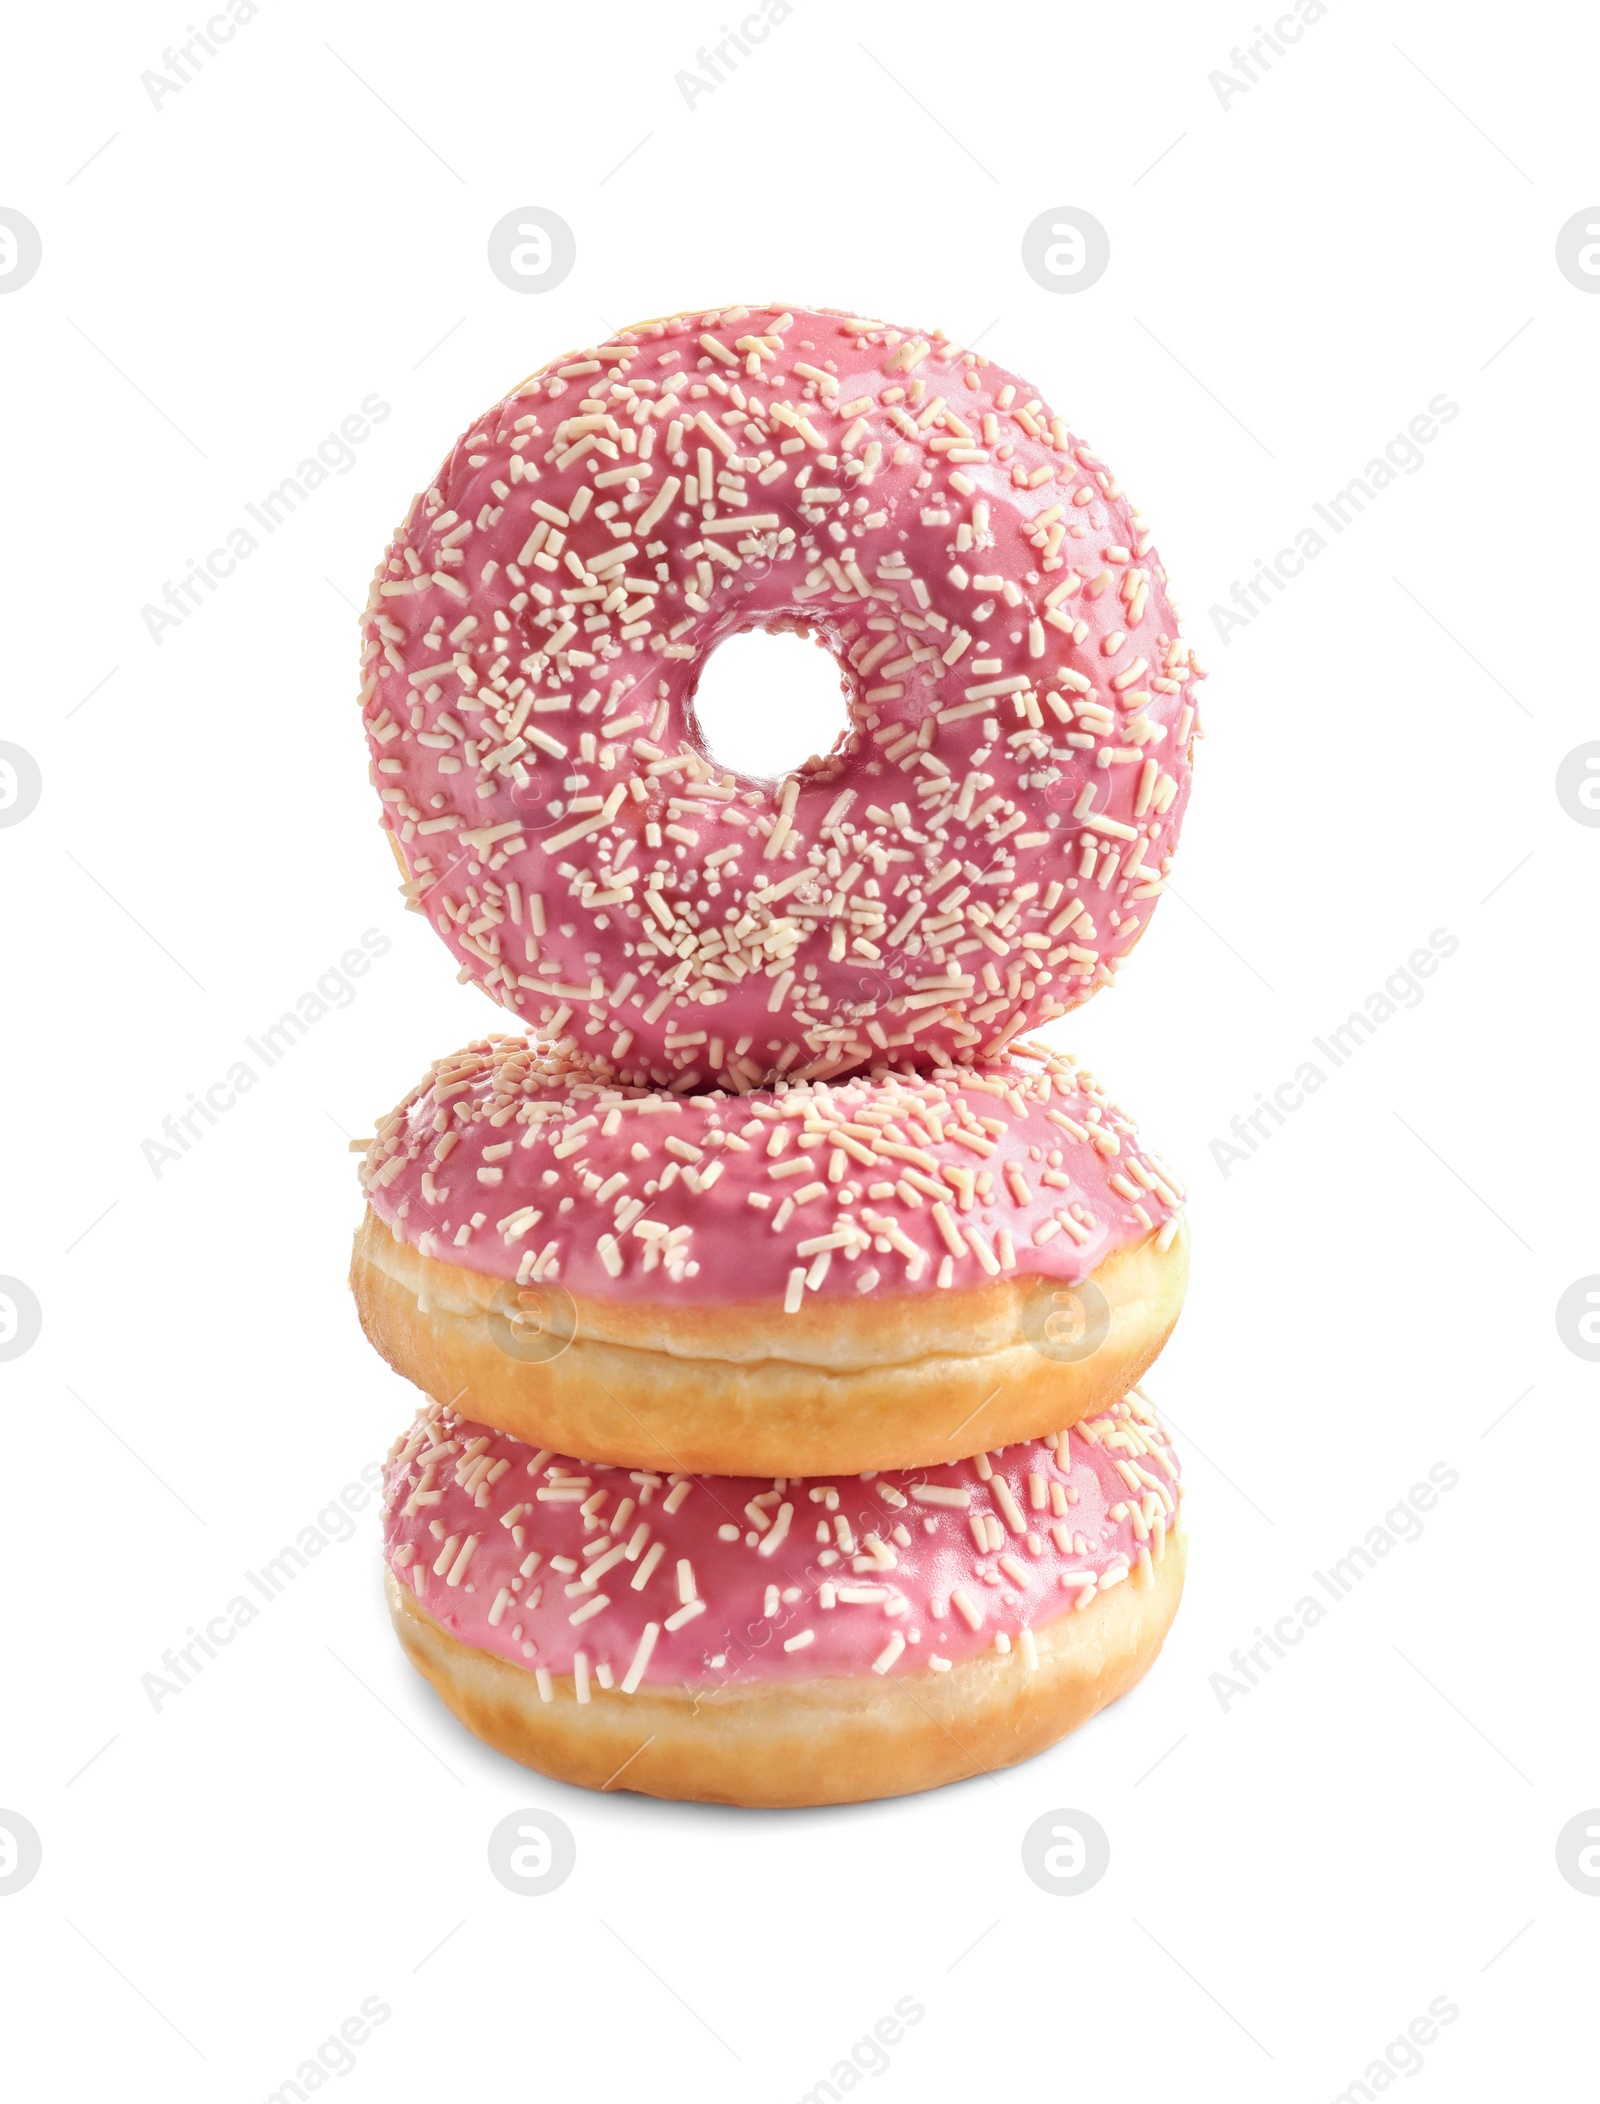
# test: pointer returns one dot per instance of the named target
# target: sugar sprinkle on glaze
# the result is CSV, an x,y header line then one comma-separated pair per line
x,y
642,1578
513,1160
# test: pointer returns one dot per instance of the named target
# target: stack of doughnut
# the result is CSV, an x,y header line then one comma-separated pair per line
x,y
779,1304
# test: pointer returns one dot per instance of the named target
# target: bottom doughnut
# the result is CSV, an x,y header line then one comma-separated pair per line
x,y
781,1745
782,1641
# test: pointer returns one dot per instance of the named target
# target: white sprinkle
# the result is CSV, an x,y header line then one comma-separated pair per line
x,y
780,1528
964,1607
890,1652
641,1657
940,1494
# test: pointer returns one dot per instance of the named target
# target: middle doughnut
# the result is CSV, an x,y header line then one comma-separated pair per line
x,y
878,1272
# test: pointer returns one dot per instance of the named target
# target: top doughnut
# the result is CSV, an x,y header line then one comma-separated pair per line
x,y
976,854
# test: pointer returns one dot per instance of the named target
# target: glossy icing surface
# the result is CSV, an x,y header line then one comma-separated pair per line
x,y
511,1160
622,1577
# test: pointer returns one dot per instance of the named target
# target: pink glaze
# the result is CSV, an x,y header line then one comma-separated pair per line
x,y
917,1568
510,1160
978,852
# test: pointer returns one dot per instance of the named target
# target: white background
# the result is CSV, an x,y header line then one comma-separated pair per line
x,y
1373,223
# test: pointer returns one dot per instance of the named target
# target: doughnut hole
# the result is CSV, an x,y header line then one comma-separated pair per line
x,y
770,699
774,699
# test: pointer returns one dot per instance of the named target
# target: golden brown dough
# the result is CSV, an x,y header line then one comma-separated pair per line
x,y
748,1390
788,1742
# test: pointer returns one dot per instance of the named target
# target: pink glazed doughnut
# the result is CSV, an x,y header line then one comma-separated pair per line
x,y
848,1274
980,849
779,1641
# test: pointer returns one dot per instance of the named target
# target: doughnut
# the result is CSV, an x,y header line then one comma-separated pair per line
x,y
779,1640
868,1272
985,841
